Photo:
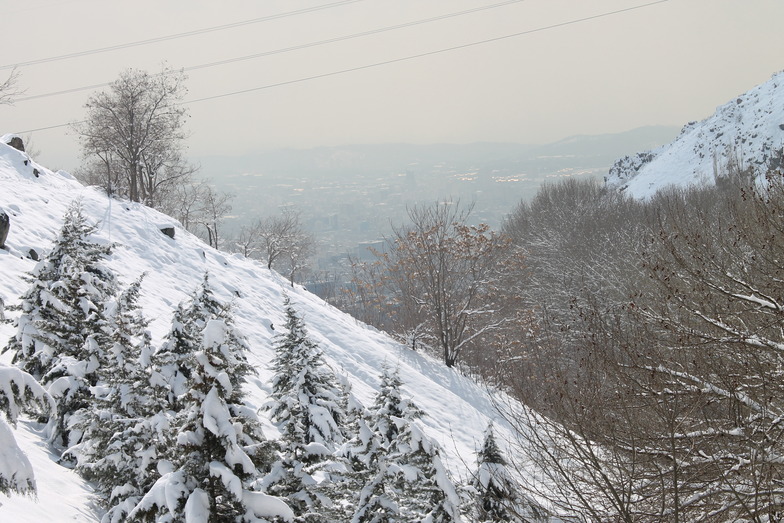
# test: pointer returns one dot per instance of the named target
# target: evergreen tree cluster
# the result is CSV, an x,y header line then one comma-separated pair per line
x,y
164,434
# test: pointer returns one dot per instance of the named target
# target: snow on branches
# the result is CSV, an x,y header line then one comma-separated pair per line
x,y
18,392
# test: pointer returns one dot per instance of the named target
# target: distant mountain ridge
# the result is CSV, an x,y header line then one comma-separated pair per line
x,y
747,131
371,158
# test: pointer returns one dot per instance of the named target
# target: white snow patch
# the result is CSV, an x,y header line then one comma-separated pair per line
x,y
263,506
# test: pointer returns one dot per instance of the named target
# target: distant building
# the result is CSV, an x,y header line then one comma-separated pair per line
x,y
365,250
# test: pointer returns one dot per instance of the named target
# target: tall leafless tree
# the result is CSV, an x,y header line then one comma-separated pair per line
x,y
437,278
132,137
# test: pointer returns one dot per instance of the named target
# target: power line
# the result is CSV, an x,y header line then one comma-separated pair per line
x,y
50,127
65,91
178,35
295,48
357,35
403,59
429,53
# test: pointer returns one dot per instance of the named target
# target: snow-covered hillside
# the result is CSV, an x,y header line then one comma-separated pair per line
x,y
457,409
748,130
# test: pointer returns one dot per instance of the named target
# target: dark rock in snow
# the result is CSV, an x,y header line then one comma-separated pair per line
x,y
32,254
5,225
168,231
16,143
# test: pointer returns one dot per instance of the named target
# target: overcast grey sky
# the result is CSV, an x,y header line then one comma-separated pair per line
x,y
576,69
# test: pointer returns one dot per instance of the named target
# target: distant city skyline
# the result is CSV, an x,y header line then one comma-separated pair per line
x,y
312,73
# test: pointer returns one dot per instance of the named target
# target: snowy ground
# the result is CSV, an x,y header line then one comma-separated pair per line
x,y
457,409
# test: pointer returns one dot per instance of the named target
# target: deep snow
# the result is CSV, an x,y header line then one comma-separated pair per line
x,y
457,409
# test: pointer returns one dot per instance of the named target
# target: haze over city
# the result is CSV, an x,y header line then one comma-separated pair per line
x,y
371,71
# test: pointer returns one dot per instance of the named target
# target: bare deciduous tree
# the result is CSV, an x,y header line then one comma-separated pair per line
x,y
132,136
246,242
278,235
665,405
279,240
437,279
215,206
717,260
200,208
298,255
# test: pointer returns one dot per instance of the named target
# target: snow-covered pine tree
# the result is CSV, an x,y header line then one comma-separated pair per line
x,y
184,337
390,406
170,368
427,493
353,409
343,478
127,428
61,331
19,391
308,404
374,440
211,468
406,480
374,434
496,496
492,484
308,401
378,428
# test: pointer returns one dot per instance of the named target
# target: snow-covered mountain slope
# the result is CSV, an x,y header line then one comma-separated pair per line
x,y
457,409
748,131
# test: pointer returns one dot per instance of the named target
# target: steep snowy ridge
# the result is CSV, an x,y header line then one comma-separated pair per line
x,y
748,130
457,409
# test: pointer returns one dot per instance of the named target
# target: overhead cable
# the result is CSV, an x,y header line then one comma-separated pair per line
x,y
177,35
428,53
292,48
396,60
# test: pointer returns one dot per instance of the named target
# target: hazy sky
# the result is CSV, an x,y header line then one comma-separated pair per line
x,y
576,69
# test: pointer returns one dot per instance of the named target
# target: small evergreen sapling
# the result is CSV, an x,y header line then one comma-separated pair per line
x,y
495,495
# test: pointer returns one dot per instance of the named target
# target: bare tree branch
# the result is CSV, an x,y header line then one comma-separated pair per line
x,y
9,90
